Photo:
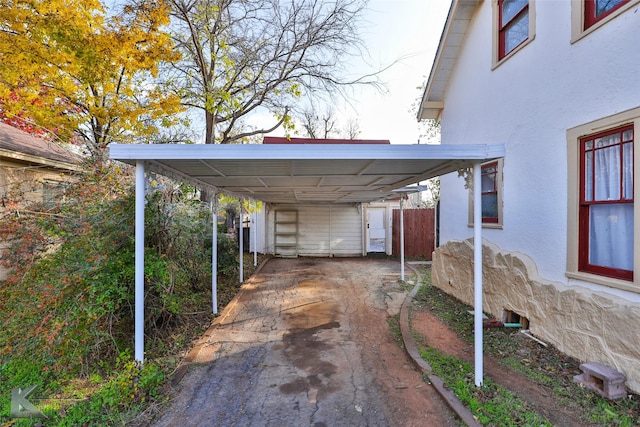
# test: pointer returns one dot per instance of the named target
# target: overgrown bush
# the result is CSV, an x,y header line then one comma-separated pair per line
x,y
67,302
131,387
227,255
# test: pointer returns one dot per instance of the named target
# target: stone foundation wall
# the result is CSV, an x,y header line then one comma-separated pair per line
x,y
590,326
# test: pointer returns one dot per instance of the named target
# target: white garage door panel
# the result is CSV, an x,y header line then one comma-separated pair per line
x,y
329,231
346,231
313,230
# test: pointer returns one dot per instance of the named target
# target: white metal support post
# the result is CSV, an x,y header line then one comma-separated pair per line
x,y
241,244
139,263
365,228
255,234
214,254
402,195
477,272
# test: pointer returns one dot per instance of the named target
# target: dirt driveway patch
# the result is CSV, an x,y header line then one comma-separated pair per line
x,y
307,342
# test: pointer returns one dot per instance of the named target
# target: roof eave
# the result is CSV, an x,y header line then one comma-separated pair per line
x,y
453,35
40,160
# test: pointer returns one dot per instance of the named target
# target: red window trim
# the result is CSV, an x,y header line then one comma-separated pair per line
x,y
590,17
502,29
491,219
583,211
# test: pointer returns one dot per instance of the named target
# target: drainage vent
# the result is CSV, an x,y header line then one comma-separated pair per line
x,y
511,319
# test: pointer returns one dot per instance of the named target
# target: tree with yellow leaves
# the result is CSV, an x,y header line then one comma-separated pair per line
x,y
71,68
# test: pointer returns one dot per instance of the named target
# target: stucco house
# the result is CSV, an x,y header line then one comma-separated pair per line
x,y
33,166
313,227
558,83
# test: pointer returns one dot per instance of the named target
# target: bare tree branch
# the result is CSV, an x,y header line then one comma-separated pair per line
x,y
241,57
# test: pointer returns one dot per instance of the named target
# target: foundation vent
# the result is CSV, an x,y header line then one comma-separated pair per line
x,y
512,319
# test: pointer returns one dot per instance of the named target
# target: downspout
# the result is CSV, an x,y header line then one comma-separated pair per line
x,y
477,272
139,263
214,254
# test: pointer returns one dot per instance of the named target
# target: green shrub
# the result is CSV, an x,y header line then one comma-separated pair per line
x,y
70,292
129,388
227,255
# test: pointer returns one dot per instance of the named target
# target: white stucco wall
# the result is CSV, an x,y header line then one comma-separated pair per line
x,y
528,103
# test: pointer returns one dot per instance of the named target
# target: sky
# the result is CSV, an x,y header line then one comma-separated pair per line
x,y
406,32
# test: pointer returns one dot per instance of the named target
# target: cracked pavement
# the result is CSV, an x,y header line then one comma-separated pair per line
x,y
306,342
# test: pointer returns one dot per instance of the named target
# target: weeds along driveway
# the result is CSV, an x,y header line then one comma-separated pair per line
x,y
307,343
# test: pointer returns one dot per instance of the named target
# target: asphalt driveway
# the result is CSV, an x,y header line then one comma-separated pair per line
x,y
307,343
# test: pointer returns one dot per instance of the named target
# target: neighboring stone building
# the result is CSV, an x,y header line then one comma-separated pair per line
x,y
34,167
557,84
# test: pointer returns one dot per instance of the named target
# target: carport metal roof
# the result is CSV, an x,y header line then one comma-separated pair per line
x,y
302,173
350,173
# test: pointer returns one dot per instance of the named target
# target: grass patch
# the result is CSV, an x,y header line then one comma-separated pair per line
x,y
394,327
491,404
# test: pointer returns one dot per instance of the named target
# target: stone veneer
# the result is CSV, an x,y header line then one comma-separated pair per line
x,y
590,326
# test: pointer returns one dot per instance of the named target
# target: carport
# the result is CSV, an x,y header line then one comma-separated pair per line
x,y
291,174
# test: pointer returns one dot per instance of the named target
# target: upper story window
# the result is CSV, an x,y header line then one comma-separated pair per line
x,y
596,10
589,15
606,204
513,25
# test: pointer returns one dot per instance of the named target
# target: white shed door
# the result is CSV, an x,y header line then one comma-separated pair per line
x,y
376,230
329,231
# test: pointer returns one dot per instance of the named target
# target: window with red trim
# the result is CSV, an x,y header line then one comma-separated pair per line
x,y
513,25
605,241
489,182
596,10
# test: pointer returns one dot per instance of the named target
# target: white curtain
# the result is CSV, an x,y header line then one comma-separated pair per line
x,y
611,225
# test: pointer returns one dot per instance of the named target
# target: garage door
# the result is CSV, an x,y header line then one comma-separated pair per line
x,y
328,230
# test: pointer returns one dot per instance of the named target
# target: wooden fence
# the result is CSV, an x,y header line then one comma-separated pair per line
x,y
419,233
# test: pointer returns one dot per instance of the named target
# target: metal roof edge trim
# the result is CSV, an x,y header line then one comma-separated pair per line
x,y
132,152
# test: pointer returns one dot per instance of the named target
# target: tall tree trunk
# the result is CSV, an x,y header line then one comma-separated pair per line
x,y
209,138
210,135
